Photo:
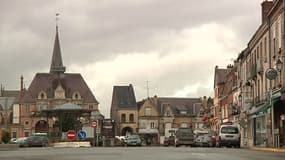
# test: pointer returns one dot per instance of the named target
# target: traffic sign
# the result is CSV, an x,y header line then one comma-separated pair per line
x,y
81,134
71,135
94,124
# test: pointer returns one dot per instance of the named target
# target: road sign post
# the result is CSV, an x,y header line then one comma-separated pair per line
x,y
81,135
94,125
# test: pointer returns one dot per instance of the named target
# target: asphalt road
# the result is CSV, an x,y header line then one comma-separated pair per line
x,y
138,153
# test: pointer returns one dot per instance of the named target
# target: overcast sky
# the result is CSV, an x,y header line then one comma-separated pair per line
x,y
174,44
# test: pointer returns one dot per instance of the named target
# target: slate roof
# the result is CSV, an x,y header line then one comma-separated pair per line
x,y
190,105
56,61
124,97
220,76
48,82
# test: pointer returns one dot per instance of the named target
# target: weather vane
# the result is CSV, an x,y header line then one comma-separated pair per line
x,y
56,19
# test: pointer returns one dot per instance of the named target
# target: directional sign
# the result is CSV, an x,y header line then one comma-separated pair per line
x,y
81,134
94,124
71,135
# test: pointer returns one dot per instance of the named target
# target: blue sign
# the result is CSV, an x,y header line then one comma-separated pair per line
x,y
81,134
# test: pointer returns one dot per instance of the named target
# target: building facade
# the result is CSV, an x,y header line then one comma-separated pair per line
x,y
54,102
260,81
124,110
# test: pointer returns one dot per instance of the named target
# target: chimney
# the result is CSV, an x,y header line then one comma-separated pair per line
x,y
1,91
265,8
22,83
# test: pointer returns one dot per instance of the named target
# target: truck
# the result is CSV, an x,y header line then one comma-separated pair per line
x,y
184,136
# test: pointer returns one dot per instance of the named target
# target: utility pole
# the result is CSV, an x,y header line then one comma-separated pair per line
x,y
147,88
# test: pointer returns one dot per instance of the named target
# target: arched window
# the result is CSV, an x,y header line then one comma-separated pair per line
x,y
123,117
131,118
42,95
76,95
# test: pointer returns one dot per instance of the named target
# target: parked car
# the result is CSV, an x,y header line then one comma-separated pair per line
x,y
22,141
204,140
169,141
229,135
13,141
34,141
133,140
184,136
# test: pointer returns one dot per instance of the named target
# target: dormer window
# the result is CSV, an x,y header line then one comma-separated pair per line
x,y
168,113
76,96
59,92
148,111
42,95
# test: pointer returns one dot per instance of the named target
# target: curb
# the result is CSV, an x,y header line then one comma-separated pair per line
x,y
279,150
9,147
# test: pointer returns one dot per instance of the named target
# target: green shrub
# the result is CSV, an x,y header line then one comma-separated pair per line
x,y
5,136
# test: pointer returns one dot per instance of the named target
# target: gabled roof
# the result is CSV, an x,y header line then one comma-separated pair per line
x,y
124,97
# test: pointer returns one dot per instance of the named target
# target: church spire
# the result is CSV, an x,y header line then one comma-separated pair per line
x,y
56,61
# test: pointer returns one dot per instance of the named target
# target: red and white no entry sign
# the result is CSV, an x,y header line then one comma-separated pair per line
x,y
94,124
71,135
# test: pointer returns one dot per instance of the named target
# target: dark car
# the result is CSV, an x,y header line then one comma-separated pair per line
x,y
35,141
184,136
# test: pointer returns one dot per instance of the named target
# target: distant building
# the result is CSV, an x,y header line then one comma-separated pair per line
x,y
54,102
124,110
160,117
7,98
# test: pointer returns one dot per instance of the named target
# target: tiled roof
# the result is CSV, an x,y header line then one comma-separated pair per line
x,y
220,76
48,82
190,105
124,97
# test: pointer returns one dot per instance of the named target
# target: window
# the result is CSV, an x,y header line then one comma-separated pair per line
x,y
152,125
27,133
148,111
27,123
168,113
42,95
27,108
131,118
76,96
14,134
90,107
184,125
123,118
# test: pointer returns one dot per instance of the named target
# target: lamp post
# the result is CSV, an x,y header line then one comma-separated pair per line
x,y
271,74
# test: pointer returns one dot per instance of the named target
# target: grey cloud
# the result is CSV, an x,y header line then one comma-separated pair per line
x,y
98,30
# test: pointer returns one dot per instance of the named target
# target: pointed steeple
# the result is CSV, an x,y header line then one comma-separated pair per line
x,y
56,61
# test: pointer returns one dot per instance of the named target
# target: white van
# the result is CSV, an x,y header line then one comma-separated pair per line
x,y
229,135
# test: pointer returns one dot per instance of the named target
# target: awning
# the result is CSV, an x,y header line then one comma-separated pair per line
x,y
263,108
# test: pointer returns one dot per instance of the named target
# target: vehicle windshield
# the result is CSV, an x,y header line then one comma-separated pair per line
x,y
229,130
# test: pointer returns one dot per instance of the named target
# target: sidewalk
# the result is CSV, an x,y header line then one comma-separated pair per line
x,y
267,149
